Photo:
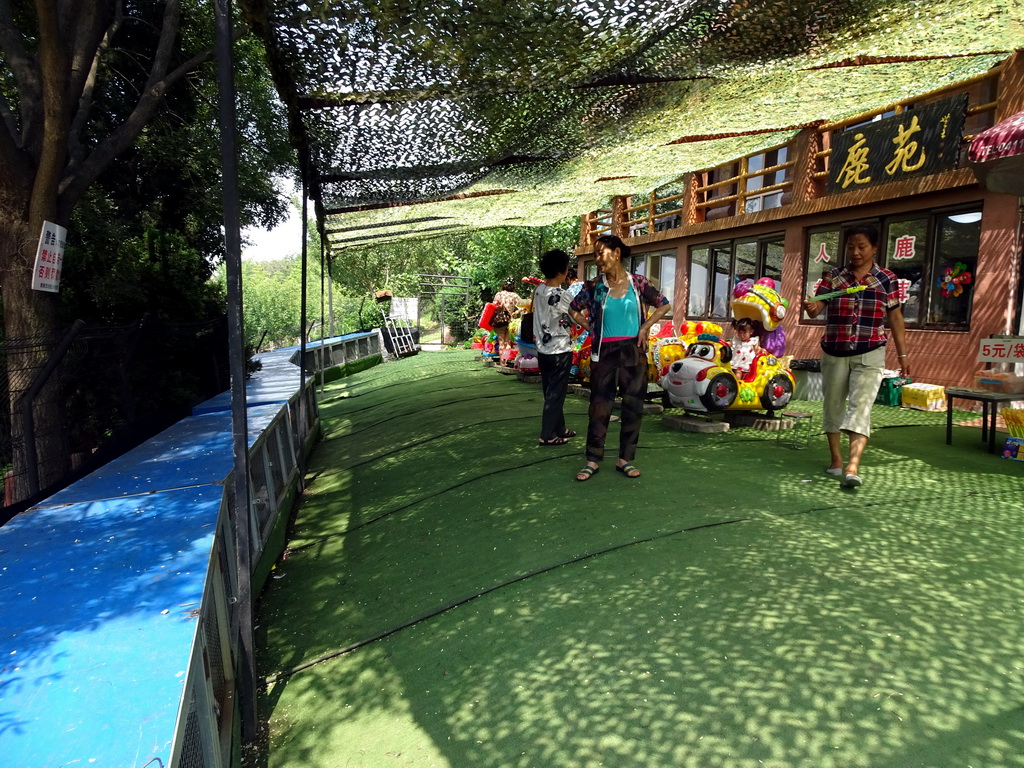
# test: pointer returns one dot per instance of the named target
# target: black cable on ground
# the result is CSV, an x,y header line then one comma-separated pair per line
x,y
402,508
481,593
404,383
354,432
479,477
275,678
363,408
415,444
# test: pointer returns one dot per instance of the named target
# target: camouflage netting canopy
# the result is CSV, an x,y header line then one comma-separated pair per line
x,y
422,118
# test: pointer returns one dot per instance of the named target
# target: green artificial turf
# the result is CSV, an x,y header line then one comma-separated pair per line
x,y
450,596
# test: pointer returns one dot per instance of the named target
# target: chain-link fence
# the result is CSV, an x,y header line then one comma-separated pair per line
x,y
83,395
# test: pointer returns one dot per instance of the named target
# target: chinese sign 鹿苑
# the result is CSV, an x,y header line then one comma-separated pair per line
x,y
49,258
912,143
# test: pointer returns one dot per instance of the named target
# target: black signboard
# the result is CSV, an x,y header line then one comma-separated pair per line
x,y
914,143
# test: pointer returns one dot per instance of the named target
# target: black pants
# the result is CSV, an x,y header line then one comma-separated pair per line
x,y
622,366
554,376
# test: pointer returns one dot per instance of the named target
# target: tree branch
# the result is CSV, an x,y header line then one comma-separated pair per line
x,y
22,65
164,49
14,165
77,179
50,151
76,152
82,26
9,119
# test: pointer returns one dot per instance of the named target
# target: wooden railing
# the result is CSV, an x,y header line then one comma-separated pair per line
x,y
645,216
669,212
741,181
979,114
602,222
653,219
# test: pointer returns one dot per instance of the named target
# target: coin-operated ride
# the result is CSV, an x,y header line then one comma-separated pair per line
x,y
762,303
668,344
704,380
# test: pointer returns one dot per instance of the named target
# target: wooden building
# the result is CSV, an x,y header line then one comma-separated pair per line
x,y
782,212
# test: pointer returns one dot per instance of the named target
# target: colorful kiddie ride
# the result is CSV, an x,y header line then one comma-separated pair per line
x,y
668,344
762,303
704,380
525,360
695,368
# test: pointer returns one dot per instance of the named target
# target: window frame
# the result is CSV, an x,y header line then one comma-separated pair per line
x,y
929,276
666,255
762,243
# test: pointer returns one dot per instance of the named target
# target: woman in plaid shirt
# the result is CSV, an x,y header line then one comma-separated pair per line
x,y
853,347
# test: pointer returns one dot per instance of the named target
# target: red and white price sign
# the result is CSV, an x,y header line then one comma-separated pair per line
x,y
1009,350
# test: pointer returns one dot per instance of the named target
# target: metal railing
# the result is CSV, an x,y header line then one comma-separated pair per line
x,y
206,721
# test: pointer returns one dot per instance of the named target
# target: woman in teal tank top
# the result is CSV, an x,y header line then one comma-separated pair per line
x,y
619,324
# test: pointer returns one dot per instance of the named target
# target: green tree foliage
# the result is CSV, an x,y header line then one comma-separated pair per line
x,y
486,257
272,289
271,294
84,94
147,234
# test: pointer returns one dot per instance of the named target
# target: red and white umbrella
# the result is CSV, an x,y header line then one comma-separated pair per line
x,y
997,156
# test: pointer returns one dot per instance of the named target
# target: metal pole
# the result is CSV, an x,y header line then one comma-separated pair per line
x,y
323,335
28,423
242,615
303,406
330,299
442,319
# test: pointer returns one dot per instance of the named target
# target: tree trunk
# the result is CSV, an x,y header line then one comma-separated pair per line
x,y
31,331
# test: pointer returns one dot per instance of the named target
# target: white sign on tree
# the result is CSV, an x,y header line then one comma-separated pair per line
x,y
49,258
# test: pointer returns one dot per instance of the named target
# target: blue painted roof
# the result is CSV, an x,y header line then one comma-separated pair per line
x,y
96,626
194,451
276,382
98,585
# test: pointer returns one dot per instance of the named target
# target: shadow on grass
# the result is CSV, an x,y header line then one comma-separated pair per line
x,y
732,608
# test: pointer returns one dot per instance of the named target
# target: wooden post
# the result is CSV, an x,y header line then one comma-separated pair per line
x,y
802,149
691,213
619,217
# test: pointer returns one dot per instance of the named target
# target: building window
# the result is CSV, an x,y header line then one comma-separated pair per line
x,y
660,268
752,183
716,269
697,304
762,201
954,265
933,254
822,254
